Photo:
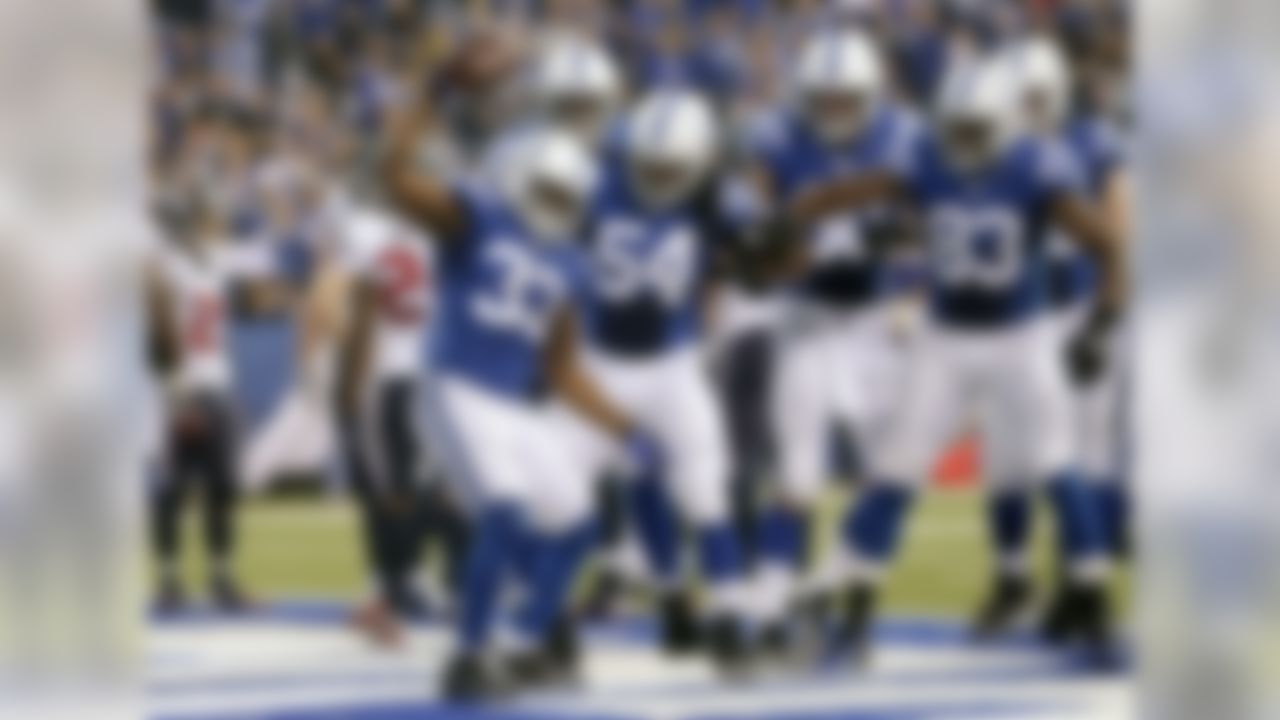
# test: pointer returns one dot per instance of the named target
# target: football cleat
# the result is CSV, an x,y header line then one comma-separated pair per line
x,y
377,621
228,597
1009,601
680,631
469,679
563,652
850,640
171,597
1080,611
782,645
727,646
528,670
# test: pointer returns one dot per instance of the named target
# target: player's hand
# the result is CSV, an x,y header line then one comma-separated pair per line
x,y
1087,351
643,452
399,504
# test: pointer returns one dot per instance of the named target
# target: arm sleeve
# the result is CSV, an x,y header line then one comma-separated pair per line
x,y
1057,171
1109,149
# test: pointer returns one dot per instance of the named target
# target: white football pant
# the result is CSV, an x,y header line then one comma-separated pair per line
x,y
672,398
499,449
833,367
1010,380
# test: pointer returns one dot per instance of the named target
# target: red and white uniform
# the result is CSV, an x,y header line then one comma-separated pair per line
x,y
399,262
199,282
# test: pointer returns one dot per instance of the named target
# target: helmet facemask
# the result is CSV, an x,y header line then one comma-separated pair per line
x,y
584,114
553,211
663,182
837,115
971,142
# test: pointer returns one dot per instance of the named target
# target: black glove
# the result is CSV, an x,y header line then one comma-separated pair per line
x,y
1087,351
759,250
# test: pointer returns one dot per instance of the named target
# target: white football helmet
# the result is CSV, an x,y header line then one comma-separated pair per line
x,y
1044,81
671,145
550,183
575,83
977,112
838,82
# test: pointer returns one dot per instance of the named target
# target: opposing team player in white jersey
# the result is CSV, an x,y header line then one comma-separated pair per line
x,y
505,343
1045,88
654,245
834,357
988,194
390,290
190,304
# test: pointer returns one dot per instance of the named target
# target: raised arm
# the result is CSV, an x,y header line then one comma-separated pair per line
x,y
421,198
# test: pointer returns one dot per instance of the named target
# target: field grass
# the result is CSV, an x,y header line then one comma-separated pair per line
x,y
310,547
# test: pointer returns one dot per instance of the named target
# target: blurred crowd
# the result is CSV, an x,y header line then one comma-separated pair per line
x,y
269,101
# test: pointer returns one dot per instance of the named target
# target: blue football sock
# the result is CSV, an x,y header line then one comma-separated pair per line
x,y
496,533
560,559
1112,500
657,525
874,525
719,554
1009,513
1080,534
783,531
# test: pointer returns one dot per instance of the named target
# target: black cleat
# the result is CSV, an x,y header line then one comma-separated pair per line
x,y
171,598
529,670
227,596
850,640
680,631
781,645
727,646
1009,601
1080,612
606,596
1059,618
468,679
1093,622
563,652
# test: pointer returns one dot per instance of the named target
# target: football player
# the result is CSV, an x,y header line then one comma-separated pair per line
x,y
988,193
388,286
509,268
1044,87
652,248
190,298
833,339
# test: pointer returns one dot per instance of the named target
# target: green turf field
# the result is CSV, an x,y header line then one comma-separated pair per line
x,y
310,547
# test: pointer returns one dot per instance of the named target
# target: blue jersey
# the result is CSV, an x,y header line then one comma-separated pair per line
x,y
499,290
648,272
1099,149
845,267
986,230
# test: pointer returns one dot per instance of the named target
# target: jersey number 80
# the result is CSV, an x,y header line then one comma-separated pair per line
x,y
977,247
